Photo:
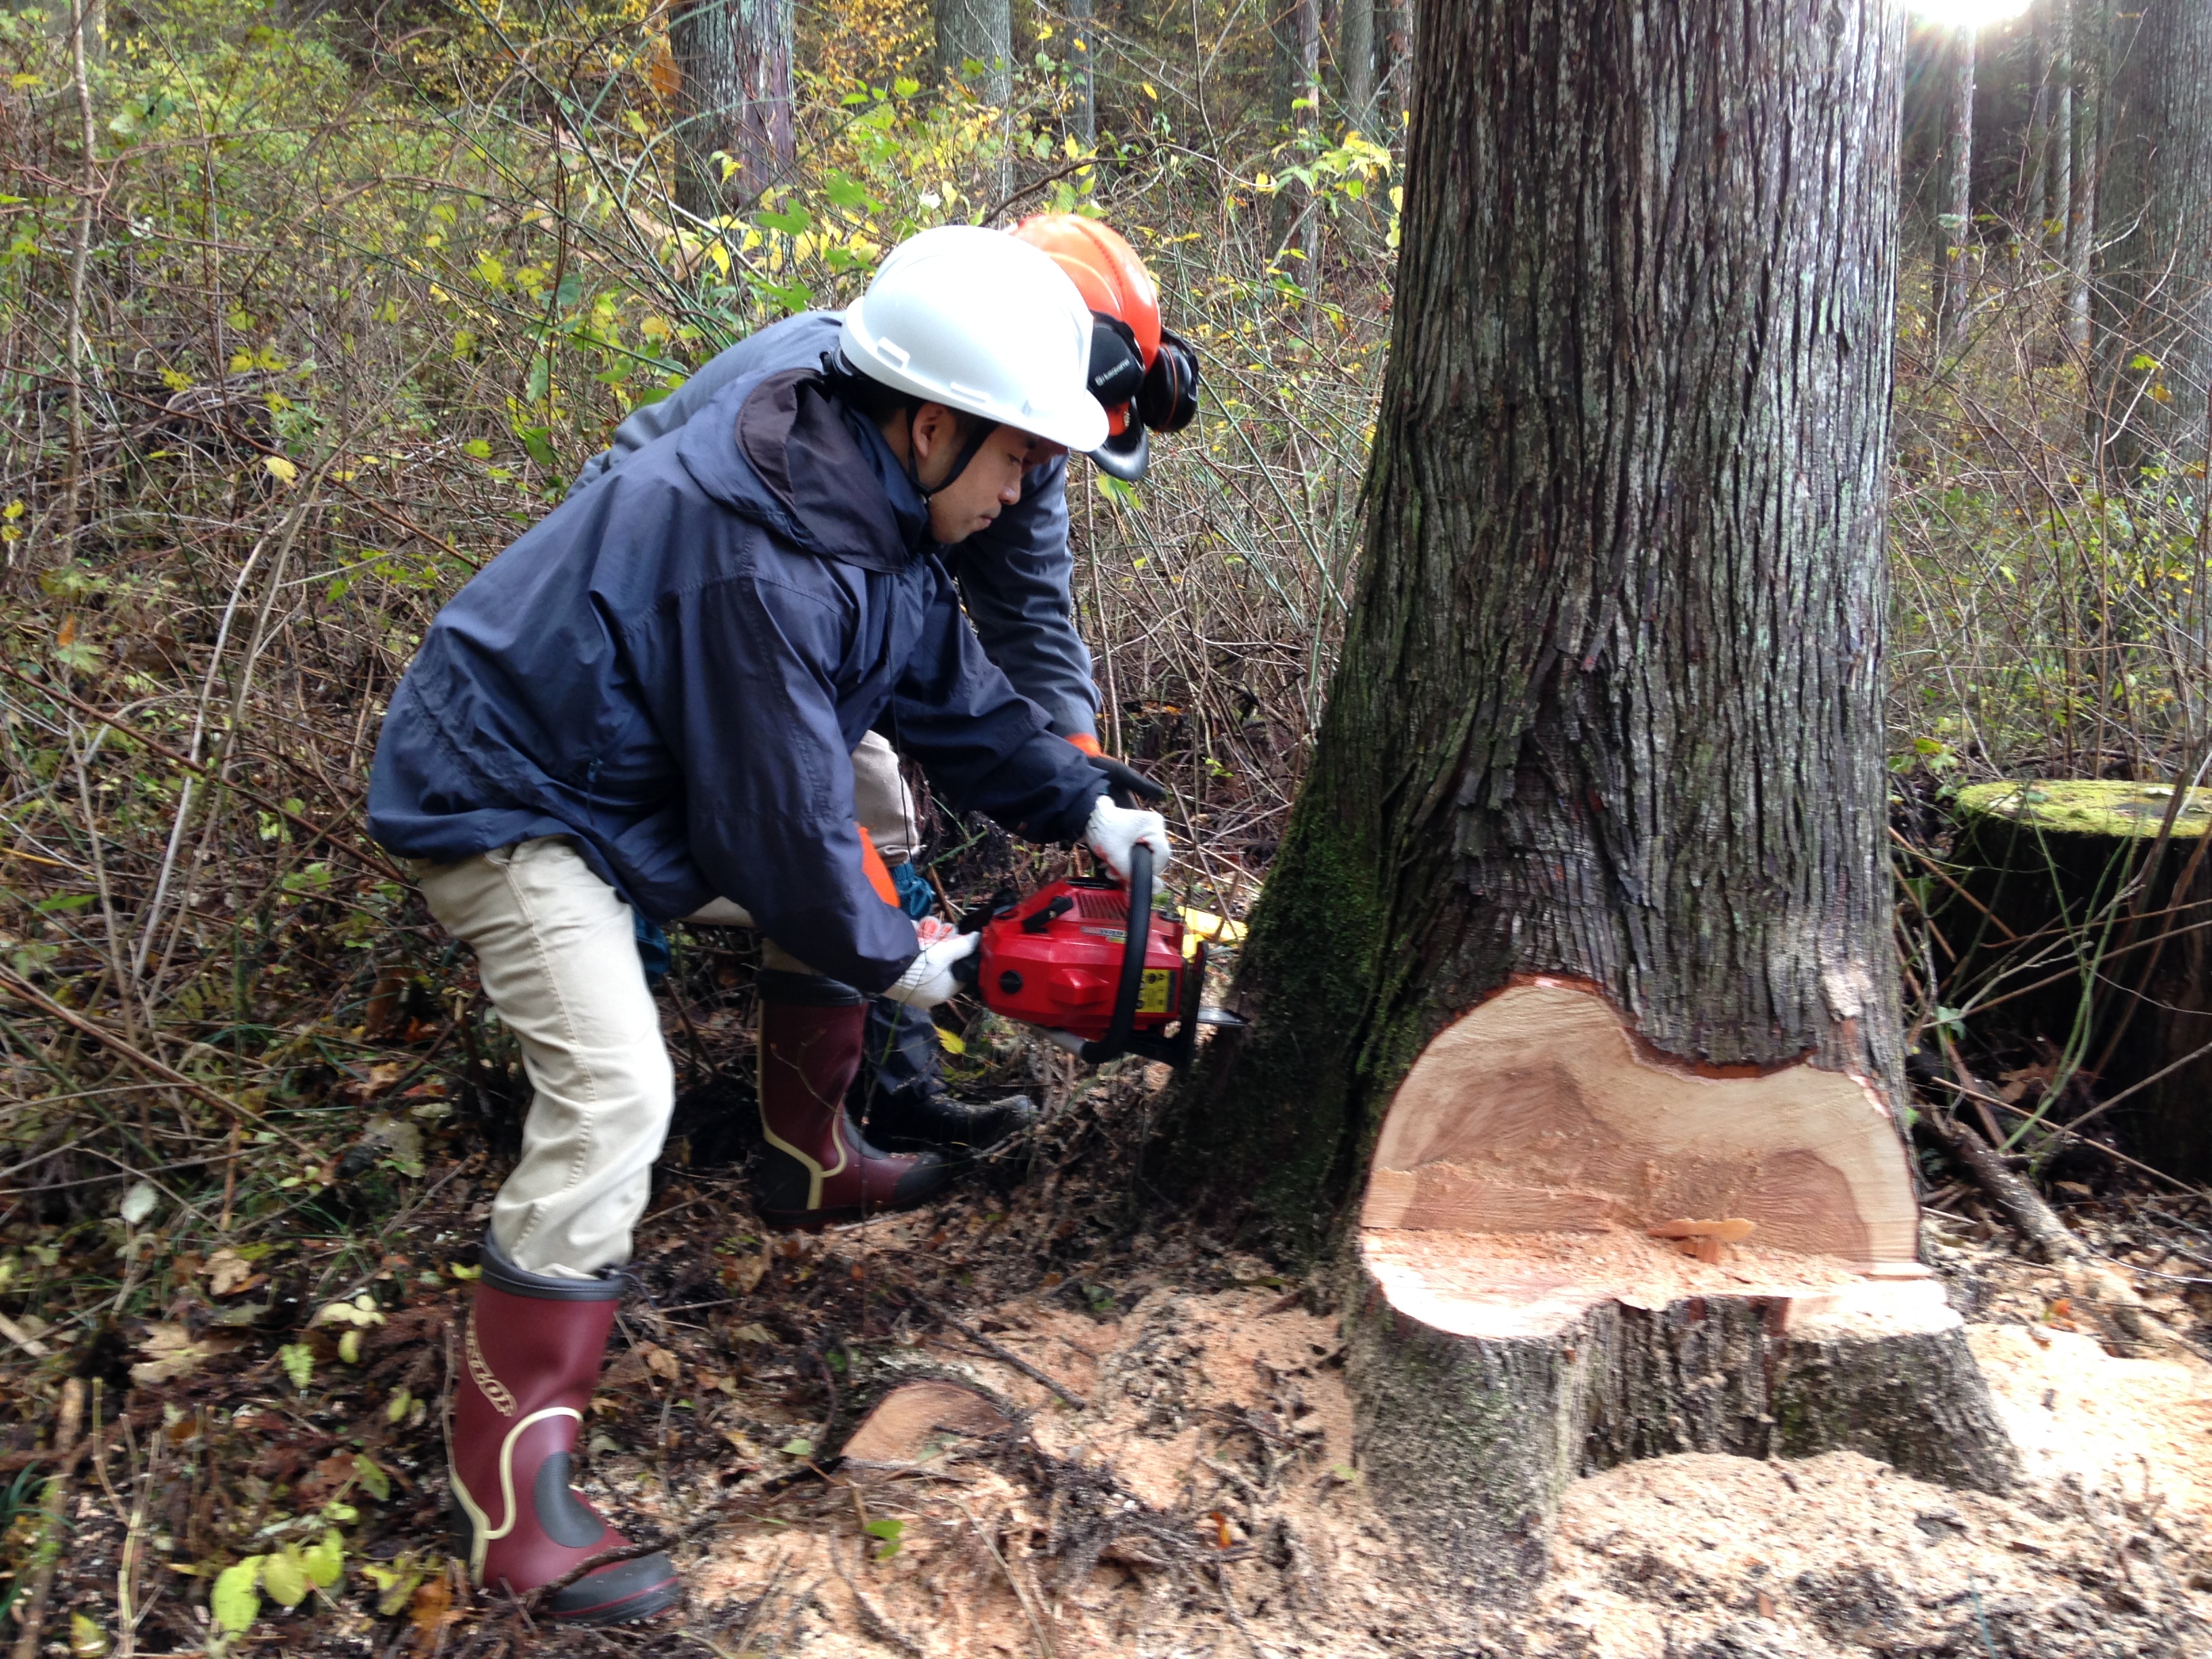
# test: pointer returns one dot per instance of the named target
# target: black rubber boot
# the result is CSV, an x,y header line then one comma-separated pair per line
x,y
900,1096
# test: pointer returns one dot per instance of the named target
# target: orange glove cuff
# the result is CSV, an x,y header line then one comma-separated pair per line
x,y
1086,742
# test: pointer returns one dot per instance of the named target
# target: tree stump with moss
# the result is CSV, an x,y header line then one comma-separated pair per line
x,y
2092,900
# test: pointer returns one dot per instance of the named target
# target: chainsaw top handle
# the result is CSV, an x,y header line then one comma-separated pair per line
x,y
1136,939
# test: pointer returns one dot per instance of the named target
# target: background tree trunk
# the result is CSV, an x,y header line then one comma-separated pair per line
x,y
1608,720
2153,298
1356,53
982,31
1955,276
1398,78
734,56
2036,196
2086,59
2062,135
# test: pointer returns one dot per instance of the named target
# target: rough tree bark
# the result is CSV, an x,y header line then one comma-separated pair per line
x,y
2153,299
981,32
1580,925
1954,273
734,58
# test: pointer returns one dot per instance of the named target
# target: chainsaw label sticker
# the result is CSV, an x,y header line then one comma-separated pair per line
x,y
1117,935
1152,991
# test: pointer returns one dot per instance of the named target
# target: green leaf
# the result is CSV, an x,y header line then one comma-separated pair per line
x,y
398,1409
794,223
285,1577
85,1639
236,1601
799,1446
537,440
846,192
477,449
325,1558
373,1480
298,1362
887,1533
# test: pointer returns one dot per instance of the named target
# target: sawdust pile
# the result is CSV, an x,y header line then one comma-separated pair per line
x,y
1204,1499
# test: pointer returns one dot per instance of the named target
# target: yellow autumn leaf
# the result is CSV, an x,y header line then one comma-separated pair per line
x,y
282,470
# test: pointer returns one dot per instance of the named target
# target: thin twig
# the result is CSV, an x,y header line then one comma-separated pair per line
x,y
1007,1357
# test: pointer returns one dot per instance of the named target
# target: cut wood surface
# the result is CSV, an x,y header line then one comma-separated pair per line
x,y
916,1421
1537,1113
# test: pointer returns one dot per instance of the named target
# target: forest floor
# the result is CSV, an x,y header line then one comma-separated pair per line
x,y
1175,1474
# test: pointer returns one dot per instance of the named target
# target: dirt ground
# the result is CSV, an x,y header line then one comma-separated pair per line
x,y
1177,1474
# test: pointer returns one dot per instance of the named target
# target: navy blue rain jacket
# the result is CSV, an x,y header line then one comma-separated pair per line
x,y
1014,577
675,665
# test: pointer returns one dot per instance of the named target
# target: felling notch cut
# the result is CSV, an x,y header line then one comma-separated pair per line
x,y
1529,1311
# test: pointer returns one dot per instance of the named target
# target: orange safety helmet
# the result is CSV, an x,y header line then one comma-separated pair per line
x,y
1145,375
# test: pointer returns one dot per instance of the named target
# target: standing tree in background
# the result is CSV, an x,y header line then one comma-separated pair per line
x,y
1956,257
2154,297
2037,158
1580,926
978,32
1355,53
2088,27
734,58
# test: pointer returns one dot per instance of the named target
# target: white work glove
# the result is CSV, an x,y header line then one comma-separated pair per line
x,y
1113,831
929,979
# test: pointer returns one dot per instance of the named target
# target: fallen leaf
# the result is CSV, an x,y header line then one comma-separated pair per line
x,y
744,1274
660,1361
227,1272
172,1352
431,1611
138,1203
87,1639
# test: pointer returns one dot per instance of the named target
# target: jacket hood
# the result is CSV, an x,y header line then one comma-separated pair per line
x,y
808,467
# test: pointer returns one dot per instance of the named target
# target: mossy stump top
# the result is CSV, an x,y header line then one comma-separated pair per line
x,y
2090,806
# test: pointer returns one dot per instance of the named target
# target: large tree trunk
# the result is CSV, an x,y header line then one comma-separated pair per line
x,y
734,58
1580,926
980,32
2154,302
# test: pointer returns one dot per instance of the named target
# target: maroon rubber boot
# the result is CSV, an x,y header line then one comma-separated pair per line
x,y
530,1355
819,1168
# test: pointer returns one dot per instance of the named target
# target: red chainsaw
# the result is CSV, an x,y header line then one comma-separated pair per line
x,y
1088,960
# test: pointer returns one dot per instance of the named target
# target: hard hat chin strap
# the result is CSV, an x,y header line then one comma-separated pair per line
x,y
982,428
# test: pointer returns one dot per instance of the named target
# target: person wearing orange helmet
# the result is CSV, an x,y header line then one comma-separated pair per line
x,y
1015,581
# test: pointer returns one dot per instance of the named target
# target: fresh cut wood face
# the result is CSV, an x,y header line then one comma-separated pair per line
x,y
1533,1147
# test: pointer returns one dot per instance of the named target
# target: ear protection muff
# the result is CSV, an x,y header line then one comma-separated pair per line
x,y
1117,367
1168,399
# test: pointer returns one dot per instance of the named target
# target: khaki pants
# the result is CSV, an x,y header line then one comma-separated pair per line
x,y
556,952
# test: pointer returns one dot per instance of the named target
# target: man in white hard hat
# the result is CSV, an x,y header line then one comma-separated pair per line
x,y
647,706
1015,582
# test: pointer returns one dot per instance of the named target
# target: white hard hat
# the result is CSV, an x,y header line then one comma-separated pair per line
x,y
974,319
